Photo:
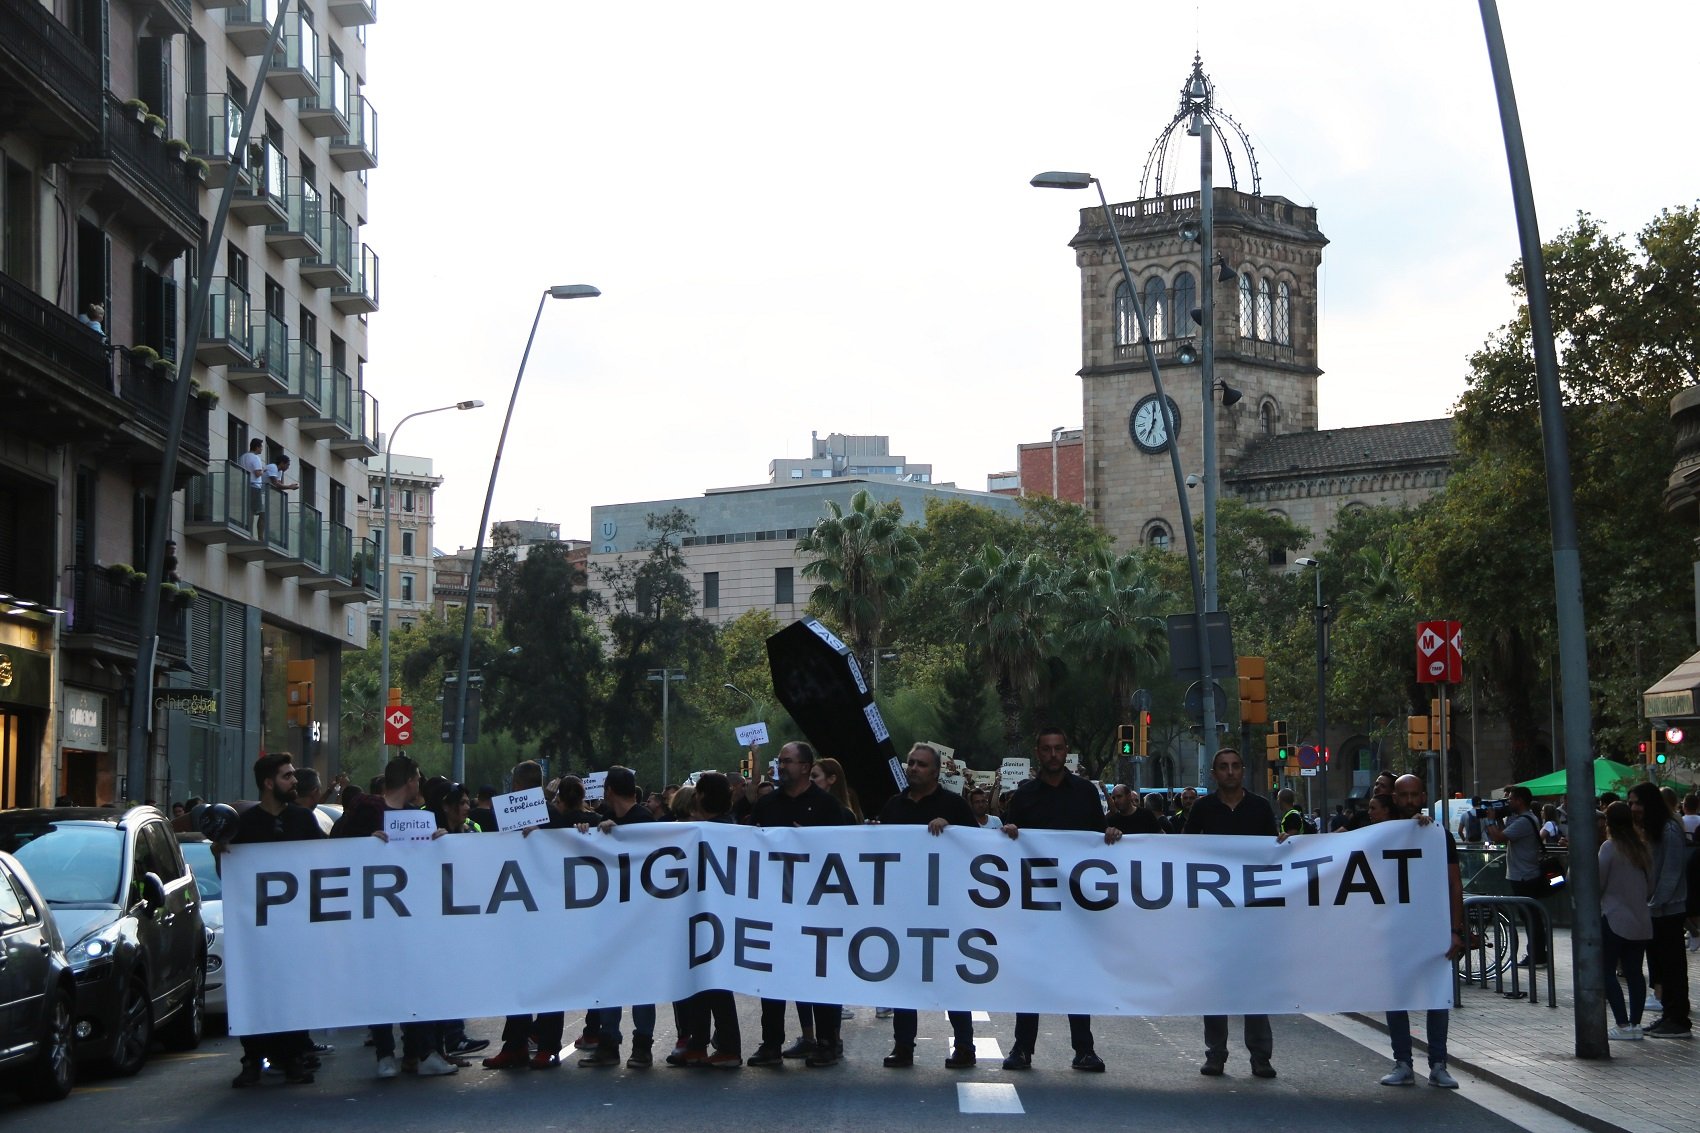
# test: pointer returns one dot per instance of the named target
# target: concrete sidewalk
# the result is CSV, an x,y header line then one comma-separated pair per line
x,y
1529,1049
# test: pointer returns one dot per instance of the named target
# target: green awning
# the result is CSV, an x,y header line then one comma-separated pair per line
x,y
1608,776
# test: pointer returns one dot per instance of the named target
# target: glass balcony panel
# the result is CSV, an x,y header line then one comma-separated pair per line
x,y
215,134
294,70
360,297
311,525
354,13
221,508
249,25
298,234
358,149
325,113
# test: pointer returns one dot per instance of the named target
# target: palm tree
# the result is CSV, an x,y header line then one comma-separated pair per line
x,y
1110,621
864,560
1003,602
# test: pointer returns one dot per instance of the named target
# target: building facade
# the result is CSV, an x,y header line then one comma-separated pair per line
x,y
121,125
1054,468
839,455
411,519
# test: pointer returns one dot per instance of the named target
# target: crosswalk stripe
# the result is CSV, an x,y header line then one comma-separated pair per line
x,y
987,1048
987,1097
979,1017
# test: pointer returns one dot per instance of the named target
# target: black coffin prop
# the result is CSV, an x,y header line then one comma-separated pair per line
x,y
817,679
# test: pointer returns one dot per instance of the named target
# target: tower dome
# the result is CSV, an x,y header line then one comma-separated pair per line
x,y
1197,107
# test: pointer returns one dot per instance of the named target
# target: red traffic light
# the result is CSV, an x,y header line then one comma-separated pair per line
x,y
1642,747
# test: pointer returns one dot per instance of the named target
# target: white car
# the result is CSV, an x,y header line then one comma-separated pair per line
x,y
198,852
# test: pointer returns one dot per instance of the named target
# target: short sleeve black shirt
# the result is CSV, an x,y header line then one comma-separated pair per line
x,y
295,824
1141,821
901,810
1072,804
1210,815
814,807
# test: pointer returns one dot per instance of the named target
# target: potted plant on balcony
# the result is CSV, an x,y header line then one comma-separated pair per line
x,y
199,166
123,574
180,595
144,355
178,147
208,397
157,124
163,366
139,108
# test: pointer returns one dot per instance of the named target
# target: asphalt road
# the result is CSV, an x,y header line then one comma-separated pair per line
x,y
1327,1082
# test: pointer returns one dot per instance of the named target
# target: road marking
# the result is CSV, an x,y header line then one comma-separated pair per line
x,y
986,1047
979,1017
987,1097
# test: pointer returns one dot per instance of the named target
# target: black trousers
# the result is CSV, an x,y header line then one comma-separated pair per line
x,y
713,1015
1536,887
548,1027
1669,963
828,1017
904,1024
1079,1032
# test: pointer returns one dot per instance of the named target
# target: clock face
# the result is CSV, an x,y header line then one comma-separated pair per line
x,y
1147,424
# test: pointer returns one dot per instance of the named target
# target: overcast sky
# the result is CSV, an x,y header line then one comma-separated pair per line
x,y
813,217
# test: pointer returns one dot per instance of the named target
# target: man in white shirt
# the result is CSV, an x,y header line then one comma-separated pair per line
x,y
254,468
980,803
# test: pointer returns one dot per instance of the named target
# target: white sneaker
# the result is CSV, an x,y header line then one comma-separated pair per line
x,y
435,1065
387,1067
1400,1075
1437,1076
1628,1034
1652,1003
1694,944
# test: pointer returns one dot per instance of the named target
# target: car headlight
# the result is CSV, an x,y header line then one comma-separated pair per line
x,y
99,946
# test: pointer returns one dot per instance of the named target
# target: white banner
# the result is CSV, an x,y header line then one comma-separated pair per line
x,y
1054,921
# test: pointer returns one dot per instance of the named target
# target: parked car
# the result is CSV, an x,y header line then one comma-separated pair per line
x,y
198,852
130,914
38,993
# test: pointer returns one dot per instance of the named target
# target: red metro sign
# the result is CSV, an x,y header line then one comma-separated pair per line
x,y
1440,653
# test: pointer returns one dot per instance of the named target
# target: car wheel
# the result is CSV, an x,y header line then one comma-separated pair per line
x,y
185,1031
135,1029
54,1071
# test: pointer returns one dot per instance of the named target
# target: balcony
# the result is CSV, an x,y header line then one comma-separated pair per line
x,y
360,297
324,113
228,337
262,193
129,173
211,5
105,615
49,82
352,13
335,417
222,509
165,18
215,134
248,25
352,567
336,570
360,442
332,264
357,149
295,536
298,234
57,382
306,384
151,394
268,371
295,63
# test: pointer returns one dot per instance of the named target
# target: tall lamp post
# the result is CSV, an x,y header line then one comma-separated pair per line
x,y
666,677
1321,678
1056,180
560,291
384,628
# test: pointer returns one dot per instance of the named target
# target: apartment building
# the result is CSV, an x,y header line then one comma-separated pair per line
x,y
411,520
122,123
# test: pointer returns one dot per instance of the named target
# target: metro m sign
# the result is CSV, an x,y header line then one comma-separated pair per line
x,y
398,724
1440,653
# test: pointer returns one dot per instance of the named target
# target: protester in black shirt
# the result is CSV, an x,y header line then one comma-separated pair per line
x,y
620,802
273,819
925,803
1230,809
710,1018
1057,799
1128,816
798,802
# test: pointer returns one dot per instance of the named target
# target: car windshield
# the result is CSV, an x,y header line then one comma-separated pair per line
x,y
74,865
199,855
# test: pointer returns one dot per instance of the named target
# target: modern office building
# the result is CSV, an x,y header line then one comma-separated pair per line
x,y
839,455
122,124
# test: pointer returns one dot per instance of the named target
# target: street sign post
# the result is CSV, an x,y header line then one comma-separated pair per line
x,y
1440,653
398,724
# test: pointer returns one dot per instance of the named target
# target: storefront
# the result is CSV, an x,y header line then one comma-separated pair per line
x,y
86,767
25,684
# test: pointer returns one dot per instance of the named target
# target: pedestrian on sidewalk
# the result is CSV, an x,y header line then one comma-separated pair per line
x,y
1409,799
1668,904
1521,833
1626,924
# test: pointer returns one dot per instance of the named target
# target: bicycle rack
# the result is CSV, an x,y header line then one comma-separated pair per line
x,y
1496,922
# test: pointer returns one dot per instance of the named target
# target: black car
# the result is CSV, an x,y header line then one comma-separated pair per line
x,y
130,914
37,992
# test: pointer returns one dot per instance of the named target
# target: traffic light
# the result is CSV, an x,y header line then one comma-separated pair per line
x,y
1144,734
1126,739
1436,719
299,693
1661,758
1417,736
1254,690
747,765
1644,749
1278,733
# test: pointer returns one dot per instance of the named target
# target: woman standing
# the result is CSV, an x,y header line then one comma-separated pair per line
x,y
828,775
1667,903
1626,927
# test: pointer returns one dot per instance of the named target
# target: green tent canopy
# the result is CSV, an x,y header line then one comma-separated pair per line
x,y
1608,776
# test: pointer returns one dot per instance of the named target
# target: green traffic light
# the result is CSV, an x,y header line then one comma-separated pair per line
x,y
1127,748
1661,758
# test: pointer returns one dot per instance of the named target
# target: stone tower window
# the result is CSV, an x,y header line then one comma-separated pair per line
x,y
1267,417
1265,311
1186,298
1156,309
1127,323
1157,535
1247,317
1284,314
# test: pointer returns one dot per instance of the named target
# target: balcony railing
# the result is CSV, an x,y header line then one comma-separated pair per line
x,y
305,390
295,535
295,63
39,330
249,25
351,13
357,149
262,196
360,439
229,335
47,52
222,508
108,604
134,175
332,265
151,396
215,134
360,297
268,372
335,417
298,233
325,112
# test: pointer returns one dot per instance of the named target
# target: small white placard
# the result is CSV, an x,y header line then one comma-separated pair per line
x,y
856,671
521,809
897,774
593,784
877,723
1016,770
1072,761
749,735
409,825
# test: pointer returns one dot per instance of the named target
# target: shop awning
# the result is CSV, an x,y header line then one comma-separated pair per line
x,y
1676,693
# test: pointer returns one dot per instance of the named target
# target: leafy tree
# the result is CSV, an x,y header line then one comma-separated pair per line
x,y
1109,625
863,562
1002,602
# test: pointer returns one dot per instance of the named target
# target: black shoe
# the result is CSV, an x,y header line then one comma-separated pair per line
x,y
1664,1030
1018,1060
1260,1068
466,1046
604,1054
249,1075
900,1056
310,1061
802,1048
1089,1061
824,1056
642,1058
962,1058
1213,1067
295,1073
766,1055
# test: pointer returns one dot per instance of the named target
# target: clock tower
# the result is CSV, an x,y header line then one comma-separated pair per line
x,y
1268,251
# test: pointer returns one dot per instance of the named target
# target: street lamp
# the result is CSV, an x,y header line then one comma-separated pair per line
x,y
1055,434
384,628
755,708
1057,180
1321,675
560,291
666,677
